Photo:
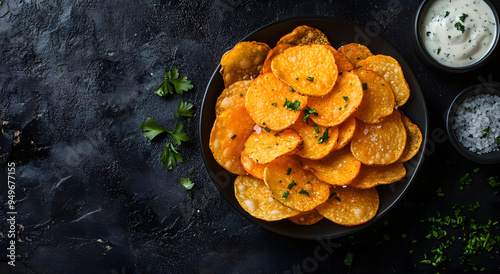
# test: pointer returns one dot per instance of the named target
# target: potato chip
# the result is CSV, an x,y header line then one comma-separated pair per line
x,y
378,98
413,139
306,218
338,168
391,71
229,133
371,176
294,186
232,96
350,206
355,52
303,35
269,101
335,107
255,198
317,141
251,167
381,143
243,62
266,146
266,68
346,131
308,69
342,62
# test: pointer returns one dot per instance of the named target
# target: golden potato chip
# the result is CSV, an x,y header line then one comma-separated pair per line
x,y
338,168
378,98
391,71
243,62
294,186
229,133
266,68
308,69
232,96
346,131
335,107
355,52
269,101
317,141
371,176
255,198
306,218
379,144
350,206
253,168
342,62
413,139
303,35
266,146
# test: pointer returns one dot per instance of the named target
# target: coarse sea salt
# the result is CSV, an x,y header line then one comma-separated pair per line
x,y
477,123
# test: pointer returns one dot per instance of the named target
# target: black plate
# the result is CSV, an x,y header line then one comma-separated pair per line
x,y
338,33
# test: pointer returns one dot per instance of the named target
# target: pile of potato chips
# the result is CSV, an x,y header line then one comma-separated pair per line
x,y
311,130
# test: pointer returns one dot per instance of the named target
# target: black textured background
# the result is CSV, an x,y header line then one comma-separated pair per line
x,y
77,80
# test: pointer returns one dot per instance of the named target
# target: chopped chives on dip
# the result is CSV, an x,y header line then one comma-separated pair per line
x,y
457,33
477,123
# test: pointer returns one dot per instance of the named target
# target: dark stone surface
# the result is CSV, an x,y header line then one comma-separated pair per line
x,y
77,80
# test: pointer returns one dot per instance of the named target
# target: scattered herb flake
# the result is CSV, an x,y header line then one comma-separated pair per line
x,y
285,194
310,79
324,138
365,86
292,184
232,137
305,192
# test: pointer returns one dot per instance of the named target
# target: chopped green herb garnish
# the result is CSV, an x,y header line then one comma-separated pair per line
x,y
292,184
324,138
462,18
308,111
439,192
359,67
232,137
439,51
337,198
348,259
267,129
288,171
383,84
460,27
447,13
346,98
274,104
427,33
365,86
303,191
316,128
310,79
285,194
292,106
292,90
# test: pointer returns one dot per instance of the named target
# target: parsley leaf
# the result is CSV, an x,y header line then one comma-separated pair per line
x,y
172,82
184,109
170,156
187,183
151,129
305,192
177,133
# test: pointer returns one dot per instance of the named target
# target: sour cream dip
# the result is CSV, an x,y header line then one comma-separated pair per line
x,y
458,33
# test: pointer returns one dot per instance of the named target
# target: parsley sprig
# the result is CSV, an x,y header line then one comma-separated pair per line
x,y
172,82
